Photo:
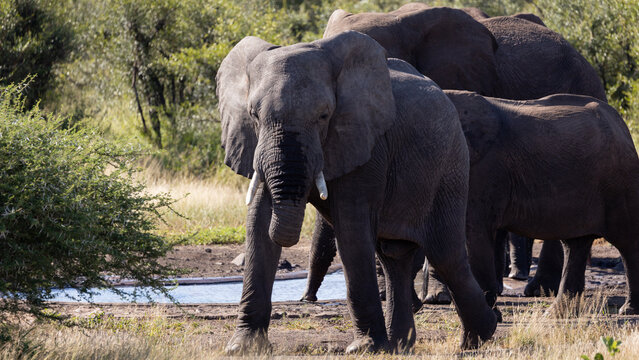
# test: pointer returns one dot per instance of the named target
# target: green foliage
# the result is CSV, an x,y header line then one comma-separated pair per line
x,y
219,235
606,32
612,346
71,212
33,38
145,69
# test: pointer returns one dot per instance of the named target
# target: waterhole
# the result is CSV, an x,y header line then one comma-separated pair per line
x,y
333,287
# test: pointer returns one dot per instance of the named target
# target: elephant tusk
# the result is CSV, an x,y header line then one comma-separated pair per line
x,y
252,189
321,185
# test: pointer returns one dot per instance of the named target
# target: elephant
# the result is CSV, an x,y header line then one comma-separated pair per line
x,y
510,57
560,167
335,117
570,171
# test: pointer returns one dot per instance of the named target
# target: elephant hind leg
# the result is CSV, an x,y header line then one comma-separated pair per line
x,y
396,257
623,233
321,256
630,255
572,283
548,276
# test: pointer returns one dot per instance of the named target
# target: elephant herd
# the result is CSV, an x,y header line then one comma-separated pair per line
x,y
521,140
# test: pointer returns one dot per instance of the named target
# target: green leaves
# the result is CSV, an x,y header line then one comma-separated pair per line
x,y
612,346
70,212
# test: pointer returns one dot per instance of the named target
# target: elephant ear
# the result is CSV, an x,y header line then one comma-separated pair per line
x,y
239,138
454,50
365,106
480,120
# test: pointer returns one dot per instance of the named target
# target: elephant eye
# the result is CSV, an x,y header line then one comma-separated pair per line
x,y
323,117
253,114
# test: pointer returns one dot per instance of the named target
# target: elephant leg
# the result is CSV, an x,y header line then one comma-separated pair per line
x,y
549,270
629,249
501,248
445,247
397,257
356,245
434,287
630,256
481,253
520,256
262,256
321,256
418,261
572,283
478,319
381,280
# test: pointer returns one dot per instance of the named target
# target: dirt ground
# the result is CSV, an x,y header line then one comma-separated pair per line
x,y
325,327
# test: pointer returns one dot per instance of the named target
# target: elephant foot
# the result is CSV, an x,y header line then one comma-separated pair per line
x,y
246,342
440,297
539,287
309,297
532,289
517,274
470,341
365,344
628,309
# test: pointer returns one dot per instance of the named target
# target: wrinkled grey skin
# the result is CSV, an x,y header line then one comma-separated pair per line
x,y
337,106
511,57
561,167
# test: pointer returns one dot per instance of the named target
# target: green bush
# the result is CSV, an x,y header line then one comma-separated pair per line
x,y
71,214
219,235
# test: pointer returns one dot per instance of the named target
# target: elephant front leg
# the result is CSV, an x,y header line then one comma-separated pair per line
x,y
262,255
355,243
321,256
396,257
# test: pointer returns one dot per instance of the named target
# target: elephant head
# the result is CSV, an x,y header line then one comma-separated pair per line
x,y
447,45
296,115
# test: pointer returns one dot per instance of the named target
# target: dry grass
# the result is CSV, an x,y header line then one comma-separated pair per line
x,y
203,204
528,334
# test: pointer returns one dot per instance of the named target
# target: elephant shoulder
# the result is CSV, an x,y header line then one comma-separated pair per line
x,y
480,120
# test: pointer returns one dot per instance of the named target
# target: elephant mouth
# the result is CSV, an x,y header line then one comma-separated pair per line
x,y
287,214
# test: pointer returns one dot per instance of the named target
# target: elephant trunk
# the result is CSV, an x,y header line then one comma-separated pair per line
x,y
287,175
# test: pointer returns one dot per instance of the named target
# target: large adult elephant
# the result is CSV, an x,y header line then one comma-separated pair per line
x,y
372,135
511,57
561,167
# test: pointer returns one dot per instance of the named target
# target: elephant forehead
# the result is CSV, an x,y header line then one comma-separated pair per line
x,y
294,60
291,80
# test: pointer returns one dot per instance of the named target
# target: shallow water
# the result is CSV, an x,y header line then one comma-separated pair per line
x,y
333,287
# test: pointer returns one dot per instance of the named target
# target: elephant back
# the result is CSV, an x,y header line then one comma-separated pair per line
x,y
534,61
